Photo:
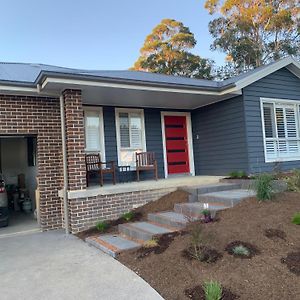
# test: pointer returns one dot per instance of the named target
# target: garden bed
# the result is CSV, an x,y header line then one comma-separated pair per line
x,y
270,274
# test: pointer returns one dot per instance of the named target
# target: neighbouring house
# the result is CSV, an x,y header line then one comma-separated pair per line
x,y
194,127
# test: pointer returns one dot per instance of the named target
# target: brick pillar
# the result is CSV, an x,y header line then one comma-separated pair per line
x,y
75,139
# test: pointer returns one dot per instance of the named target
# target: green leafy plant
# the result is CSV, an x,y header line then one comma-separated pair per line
x,y
128,216
205,212
263,187
238,174
241,250
212,290
293,181
102,226
296,219
150,243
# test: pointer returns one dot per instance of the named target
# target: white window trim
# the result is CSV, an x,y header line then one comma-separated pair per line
x,y
129,110
190,139
274,101
101,128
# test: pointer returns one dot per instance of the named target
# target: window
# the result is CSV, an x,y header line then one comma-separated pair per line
x,y
281,129
130,135
94,133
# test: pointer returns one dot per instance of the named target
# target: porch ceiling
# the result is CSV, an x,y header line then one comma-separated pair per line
x,y
141,96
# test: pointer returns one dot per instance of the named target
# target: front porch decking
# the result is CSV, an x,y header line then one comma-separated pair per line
x,y
168,183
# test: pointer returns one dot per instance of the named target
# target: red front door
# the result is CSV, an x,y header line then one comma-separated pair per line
x,y
177,144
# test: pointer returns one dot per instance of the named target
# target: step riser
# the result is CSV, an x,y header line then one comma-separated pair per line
x,y
164,221
218,188
135,234
191,213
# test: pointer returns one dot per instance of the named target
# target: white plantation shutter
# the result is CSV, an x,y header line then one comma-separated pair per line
x,y
124,130
281,130
92,131
136,131
131,135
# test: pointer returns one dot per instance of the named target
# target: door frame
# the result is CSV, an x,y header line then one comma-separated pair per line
x,y
189,135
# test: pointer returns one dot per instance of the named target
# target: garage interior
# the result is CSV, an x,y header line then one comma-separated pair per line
x,y
18,166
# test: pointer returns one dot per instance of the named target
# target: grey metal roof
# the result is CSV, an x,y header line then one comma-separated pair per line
x,y
30,74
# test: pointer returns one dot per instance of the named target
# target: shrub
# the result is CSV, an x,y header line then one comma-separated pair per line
x,y
263,187
241,250
102,226
205,212
238,174
128,216
150,243
296,219
212,290
293,181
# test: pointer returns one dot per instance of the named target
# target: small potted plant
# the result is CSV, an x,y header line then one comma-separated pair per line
x,y
207,215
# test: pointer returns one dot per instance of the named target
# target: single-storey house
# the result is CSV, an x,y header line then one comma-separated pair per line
x,y
194,127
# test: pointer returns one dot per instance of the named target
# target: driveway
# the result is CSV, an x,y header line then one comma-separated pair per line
x,y
51,265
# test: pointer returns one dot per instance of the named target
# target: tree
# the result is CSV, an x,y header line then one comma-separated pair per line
x,y
255,32
166,51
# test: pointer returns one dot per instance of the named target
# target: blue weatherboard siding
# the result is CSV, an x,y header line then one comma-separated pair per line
x,y
221,144
281,85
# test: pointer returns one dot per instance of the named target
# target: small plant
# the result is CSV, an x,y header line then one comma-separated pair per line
x,y
241,250
207,215
263,187
293,181
238,174
296,219
213,290
150,243
102,226
128,216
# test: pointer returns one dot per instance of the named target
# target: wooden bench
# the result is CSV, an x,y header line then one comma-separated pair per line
x,y
145,161
95,165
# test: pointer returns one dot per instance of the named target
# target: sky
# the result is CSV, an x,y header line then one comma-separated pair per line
x,y
93,34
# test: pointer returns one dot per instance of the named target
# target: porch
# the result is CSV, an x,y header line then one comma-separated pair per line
x,y
147,185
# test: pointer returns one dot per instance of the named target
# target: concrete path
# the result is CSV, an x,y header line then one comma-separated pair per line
x,y
56,267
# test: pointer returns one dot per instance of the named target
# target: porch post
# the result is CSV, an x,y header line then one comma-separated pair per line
x,y
75,139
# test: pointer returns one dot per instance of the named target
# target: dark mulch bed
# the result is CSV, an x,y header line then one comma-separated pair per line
x,y
197,293
273,233
251,248
262,277
208,255
140,214
292,260
163,243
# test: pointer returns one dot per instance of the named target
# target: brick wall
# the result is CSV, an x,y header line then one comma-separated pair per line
x,y
75,143
86,212
40,117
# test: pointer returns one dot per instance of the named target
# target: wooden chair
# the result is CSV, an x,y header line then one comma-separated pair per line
x,y
95,165
145,161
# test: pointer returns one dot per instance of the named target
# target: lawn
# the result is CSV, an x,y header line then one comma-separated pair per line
x,y
267,273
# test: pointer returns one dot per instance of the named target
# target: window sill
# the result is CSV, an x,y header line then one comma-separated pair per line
x,y
285,159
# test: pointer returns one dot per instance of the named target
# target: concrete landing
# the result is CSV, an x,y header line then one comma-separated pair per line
x,y
112,244
230,197
194,210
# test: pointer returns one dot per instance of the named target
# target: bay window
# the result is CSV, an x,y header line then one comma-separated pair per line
x,y
130,131
94,133
281,129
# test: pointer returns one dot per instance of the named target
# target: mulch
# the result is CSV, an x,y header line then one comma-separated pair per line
x,y
267,275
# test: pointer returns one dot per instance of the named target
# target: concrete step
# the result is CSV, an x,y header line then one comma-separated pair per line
x,y
230,197
194,210
211,188
143,231
169,218
112,244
